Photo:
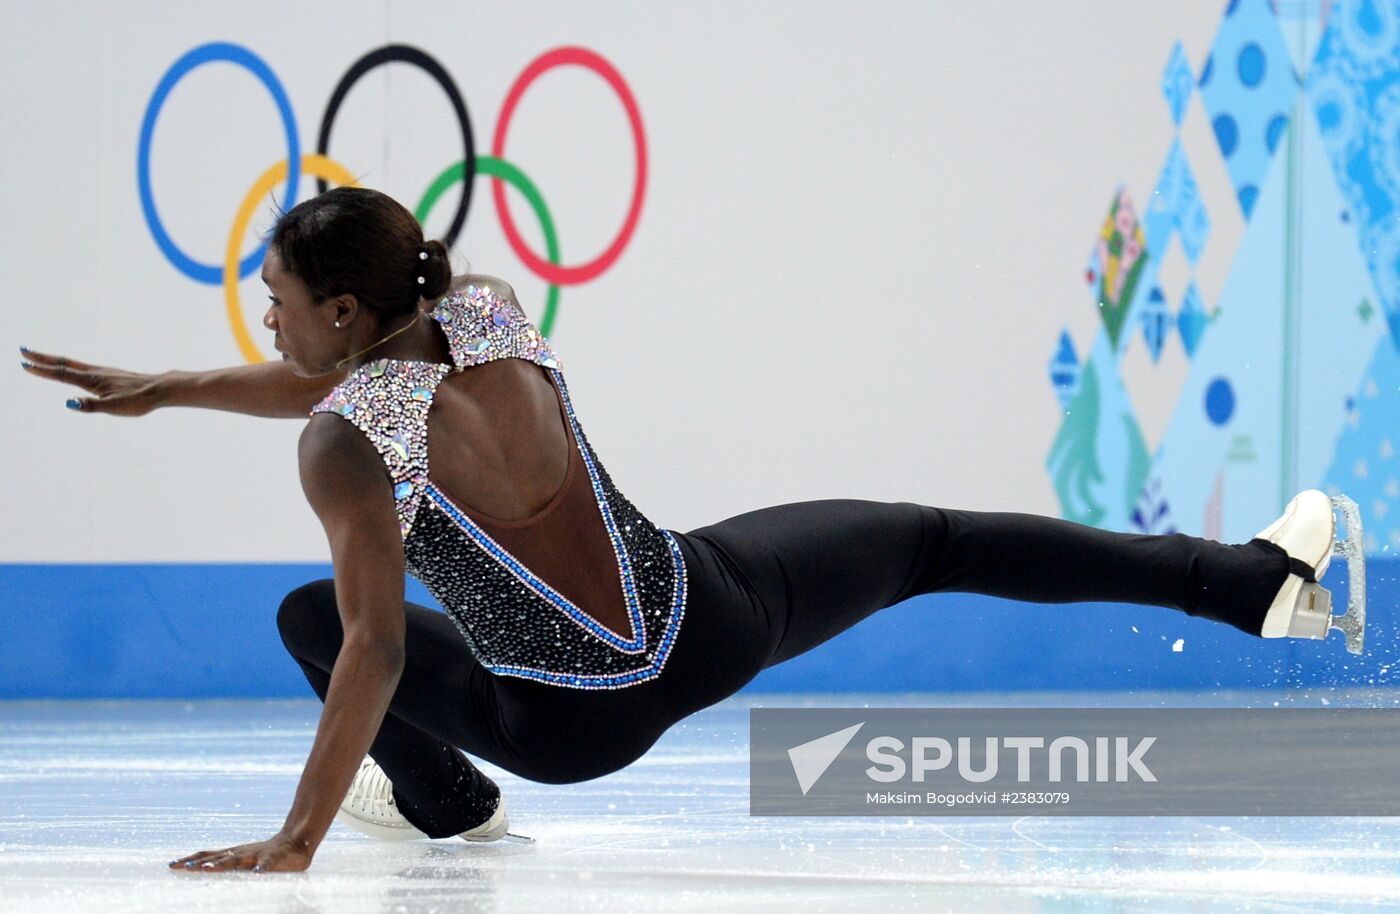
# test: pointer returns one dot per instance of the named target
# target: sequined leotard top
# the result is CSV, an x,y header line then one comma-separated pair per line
x,y
514,621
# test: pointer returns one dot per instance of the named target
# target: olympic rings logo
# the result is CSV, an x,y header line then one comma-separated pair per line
x,y
236,266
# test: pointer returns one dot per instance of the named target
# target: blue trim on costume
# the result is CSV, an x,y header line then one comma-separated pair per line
x,y
619,680
622,556
535,583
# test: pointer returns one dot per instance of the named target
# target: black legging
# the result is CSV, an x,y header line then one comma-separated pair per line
x,y
763,587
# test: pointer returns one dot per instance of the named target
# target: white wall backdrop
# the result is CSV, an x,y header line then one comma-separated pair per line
x,y
864,226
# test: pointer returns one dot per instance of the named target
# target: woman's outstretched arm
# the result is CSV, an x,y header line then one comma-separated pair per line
x,y
269,389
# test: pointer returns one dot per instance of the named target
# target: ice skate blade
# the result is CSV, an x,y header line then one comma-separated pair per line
x,y
493,829
1352,623
1312,614
517,839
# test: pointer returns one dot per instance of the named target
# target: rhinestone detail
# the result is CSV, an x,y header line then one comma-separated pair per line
x,y
513,621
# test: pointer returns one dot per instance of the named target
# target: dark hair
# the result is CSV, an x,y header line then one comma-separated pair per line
x,y
357,241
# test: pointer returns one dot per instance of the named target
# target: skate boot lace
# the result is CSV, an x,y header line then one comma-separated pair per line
x,y
371,799
371,795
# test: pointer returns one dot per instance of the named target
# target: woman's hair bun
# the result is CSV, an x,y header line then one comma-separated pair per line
x,y
358,241
436,270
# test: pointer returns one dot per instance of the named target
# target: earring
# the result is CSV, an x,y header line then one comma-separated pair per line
x,y
337,323
422,255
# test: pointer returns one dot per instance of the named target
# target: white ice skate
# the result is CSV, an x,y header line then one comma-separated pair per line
x,y
369,808
1307,531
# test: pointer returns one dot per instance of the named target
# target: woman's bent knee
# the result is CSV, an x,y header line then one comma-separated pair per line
x,y
303,615
573,771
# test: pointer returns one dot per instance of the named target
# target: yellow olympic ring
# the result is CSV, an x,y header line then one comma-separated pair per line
x,y
318,165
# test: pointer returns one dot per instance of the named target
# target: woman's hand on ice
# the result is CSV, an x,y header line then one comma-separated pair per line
x,y
281,853
118,392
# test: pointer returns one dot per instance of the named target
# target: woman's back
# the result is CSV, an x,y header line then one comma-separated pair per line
x,y
499,445
497,442
507,515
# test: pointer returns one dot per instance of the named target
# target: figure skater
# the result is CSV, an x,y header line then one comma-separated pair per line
x,y
442,441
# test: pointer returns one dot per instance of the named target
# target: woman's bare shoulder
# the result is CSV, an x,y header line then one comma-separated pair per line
x,y
339,465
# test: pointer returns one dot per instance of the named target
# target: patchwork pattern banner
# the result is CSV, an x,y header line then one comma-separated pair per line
x,y
1291,378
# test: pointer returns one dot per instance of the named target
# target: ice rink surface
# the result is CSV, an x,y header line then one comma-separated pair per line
x,y
96,797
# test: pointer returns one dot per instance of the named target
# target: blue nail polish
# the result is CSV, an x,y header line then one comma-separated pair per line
x,y
26,364
189,863
73,404
24,349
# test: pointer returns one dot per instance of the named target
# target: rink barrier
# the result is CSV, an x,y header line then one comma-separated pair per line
x,y
210,631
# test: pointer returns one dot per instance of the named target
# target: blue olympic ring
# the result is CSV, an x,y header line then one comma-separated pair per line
x,y
212,274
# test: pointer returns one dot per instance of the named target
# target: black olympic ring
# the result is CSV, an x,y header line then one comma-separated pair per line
x,y
402,53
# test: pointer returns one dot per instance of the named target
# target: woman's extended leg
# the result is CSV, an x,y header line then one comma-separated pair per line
x,y
444,699
819,567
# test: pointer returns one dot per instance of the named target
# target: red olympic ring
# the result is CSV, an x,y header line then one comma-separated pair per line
x,y
564,275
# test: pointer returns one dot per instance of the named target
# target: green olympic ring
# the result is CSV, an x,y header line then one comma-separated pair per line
x,y
500,168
